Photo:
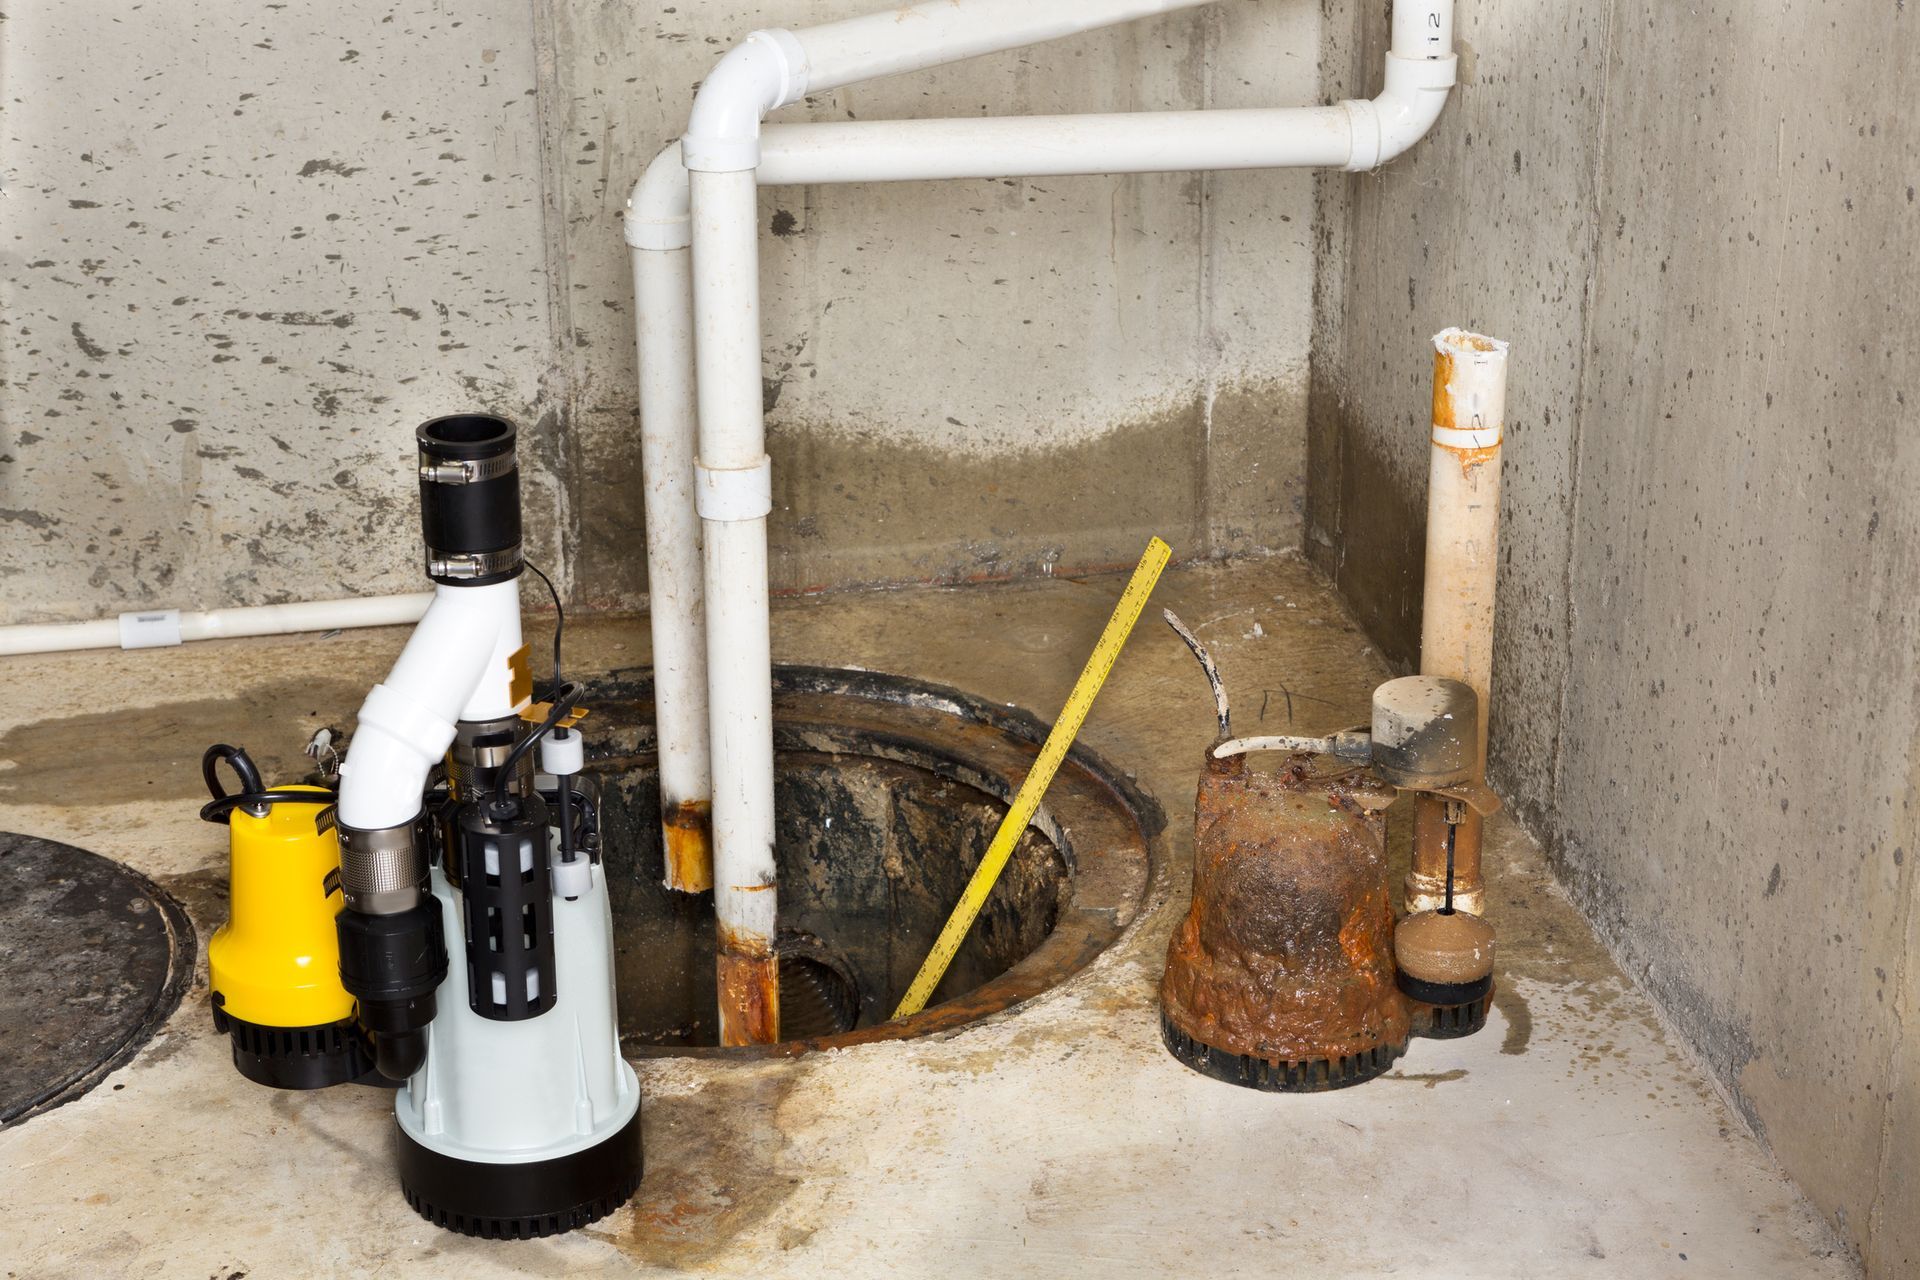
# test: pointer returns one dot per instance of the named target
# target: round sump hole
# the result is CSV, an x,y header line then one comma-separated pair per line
x,y
888,791
93,958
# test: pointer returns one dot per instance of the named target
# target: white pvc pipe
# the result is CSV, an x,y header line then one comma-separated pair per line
x,y
909,37
455,667
158,628
1053,146
733,497
771,69
658,234
1462,570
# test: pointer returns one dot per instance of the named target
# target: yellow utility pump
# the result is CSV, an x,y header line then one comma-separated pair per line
x,y
274,966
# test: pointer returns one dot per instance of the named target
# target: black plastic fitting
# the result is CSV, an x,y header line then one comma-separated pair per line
x,y
507,885
392,965
470,499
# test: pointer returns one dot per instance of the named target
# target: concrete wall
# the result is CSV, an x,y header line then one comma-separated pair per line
x,y
1697,225
244,254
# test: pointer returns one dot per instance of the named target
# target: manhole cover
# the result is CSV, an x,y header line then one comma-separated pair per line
x,y
93,957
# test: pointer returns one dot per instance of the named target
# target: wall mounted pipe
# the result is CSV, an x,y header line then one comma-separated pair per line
x,y
733,495
159,628
659,237
723,147
771,69
1456,627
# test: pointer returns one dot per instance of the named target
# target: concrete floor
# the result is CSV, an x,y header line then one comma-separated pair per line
x,y
1572,1137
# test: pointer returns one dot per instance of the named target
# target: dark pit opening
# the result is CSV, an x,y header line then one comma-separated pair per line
x,y
888,791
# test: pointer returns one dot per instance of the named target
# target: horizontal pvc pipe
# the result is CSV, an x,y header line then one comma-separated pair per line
x,y
771,69
1051,146
907,38
158,628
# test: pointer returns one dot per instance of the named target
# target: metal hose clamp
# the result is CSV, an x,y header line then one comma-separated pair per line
x,y
473,564
465,470
383,870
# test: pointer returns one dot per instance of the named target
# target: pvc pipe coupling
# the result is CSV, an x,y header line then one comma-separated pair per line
x,y
733,494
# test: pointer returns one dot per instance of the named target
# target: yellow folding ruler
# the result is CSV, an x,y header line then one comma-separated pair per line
x,y
1105,653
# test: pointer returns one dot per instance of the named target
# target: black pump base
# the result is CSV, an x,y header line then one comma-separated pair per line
x,y
1315,1075
1448,1010
522,1201
1451,1021
297,1057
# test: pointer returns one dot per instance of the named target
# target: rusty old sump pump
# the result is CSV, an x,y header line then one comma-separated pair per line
x,y
1290,972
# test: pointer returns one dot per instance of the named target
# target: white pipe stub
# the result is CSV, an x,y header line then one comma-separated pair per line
x,y
1476,389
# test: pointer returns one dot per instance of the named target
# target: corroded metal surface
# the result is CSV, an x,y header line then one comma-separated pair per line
x,y
748,977
1285,954
1426,886
686,831
93,957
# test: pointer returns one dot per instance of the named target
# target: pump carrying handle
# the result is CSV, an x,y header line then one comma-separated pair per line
x,y
253,793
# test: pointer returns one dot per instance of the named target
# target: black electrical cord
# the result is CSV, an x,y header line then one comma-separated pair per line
x,y
253,792
564,695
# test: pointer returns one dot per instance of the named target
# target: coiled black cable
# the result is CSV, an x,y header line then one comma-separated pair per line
x,y
252,790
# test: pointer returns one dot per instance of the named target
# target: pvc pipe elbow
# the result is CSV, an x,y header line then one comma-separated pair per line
x,y
395,745
457,665
766,70
659,208
1415,93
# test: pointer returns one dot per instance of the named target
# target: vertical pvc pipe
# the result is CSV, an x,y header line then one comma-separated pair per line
x,y
734,498
1422,29
1456,630
663,293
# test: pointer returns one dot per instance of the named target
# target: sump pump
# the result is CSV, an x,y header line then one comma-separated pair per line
x,y
475,937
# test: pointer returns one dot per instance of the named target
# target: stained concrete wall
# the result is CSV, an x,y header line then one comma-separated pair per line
x,y
1697,225
244,254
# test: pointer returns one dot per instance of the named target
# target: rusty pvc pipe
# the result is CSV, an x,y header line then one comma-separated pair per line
x,y
1456,630
659,239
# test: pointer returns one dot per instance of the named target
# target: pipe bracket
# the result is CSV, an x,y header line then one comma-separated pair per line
x,y
733,494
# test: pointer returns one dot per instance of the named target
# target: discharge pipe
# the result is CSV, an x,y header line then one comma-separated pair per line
x,y
727,154
1456,627
458,666
161,628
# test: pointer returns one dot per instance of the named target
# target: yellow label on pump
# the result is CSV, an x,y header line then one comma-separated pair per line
x,y
1106,651
520,679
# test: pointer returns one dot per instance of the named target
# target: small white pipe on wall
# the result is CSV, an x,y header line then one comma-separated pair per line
x,y
158,628
910,37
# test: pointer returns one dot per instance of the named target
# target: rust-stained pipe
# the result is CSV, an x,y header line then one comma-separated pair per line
x,y
1456,631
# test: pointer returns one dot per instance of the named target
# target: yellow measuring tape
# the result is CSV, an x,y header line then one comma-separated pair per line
x,y
1105,653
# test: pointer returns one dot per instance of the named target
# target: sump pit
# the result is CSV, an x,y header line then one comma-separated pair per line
x,y
888,790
